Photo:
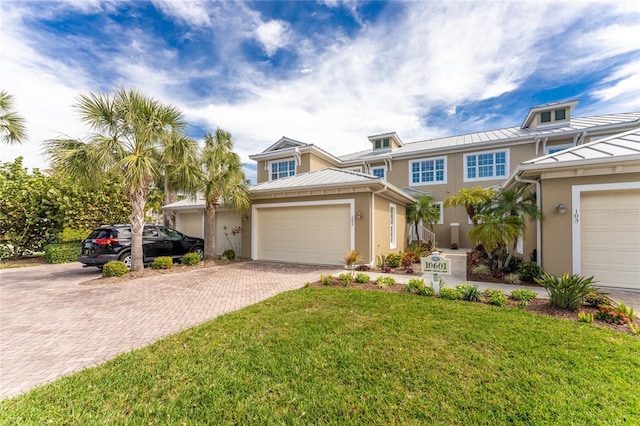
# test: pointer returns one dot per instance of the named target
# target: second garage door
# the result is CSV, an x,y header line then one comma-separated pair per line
x,y
610,236
316,234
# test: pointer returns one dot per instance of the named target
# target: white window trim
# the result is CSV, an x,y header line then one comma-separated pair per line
x,y
393,226
383,168
576,220
507,167
282,160
435,182
548,148
441,220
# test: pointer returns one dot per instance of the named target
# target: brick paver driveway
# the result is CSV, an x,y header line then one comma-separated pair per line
x,y
51,325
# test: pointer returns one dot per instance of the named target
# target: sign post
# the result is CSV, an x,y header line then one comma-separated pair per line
x,y
435,264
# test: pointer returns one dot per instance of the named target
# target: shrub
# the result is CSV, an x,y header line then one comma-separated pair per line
x,y
61,253
362,268
115,268
346,278
427,291
515,264
596,298
72,235
386,269
415,285
529,271
362,278
481,269
469,292
635,329
522,304
326,280
450,293
352,257
228,254
393,260
568,291
409,258
512,278
498,298
162,262
612,315
585,317
190,259
627,310
385,281
524,294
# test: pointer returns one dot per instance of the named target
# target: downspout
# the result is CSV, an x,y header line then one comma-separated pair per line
x,y
582,136
538,223
371,225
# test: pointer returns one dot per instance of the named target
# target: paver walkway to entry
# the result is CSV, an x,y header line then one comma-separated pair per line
x,y
59,327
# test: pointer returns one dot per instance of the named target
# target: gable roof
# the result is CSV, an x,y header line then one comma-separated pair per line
x,y
571,104
284,143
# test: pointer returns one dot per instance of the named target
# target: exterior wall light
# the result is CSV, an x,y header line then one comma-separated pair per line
x,y
561,208
359,215
245,218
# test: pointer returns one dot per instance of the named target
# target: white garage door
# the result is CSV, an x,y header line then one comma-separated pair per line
x,y
318,234
610,237
190,224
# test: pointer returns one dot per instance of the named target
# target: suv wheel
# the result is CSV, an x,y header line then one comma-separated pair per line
x,y
199,251
126,258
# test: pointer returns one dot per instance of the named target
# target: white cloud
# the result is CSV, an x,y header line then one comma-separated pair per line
x,y
192,12
272,35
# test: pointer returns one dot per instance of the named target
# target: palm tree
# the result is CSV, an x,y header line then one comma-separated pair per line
x,y
518,201
131,134
12,127
471,199
496,233
424,210
224,184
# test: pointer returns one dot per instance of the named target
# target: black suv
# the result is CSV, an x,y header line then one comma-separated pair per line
x,y
113,242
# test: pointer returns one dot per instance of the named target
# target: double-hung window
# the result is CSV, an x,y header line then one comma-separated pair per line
x,y
428,171
282,169
486,165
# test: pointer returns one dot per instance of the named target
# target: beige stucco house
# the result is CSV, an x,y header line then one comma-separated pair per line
x,y
311,206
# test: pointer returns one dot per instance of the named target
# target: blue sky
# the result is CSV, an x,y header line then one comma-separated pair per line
x,y
325,72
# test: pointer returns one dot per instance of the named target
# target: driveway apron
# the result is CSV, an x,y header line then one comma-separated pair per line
x,y
52,325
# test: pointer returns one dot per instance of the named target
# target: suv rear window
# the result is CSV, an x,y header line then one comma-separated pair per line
x,y
109,233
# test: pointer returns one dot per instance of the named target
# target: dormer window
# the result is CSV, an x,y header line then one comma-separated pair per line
x,y
382,143
545,117
282,169
560,114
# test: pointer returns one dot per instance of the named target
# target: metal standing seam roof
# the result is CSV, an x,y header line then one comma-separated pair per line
x,y
325,177
618,146
502,135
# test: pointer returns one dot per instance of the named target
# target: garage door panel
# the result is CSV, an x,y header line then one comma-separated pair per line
x,y
307,234
610,237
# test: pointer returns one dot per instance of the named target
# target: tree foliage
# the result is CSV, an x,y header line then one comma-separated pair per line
x,y
424,210
471,199
12,125
35,207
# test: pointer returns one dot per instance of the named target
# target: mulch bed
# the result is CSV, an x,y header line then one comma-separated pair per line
x,y
537,306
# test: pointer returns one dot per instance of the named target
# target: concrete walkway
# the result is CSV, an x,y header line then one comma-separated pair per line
x,y
50,325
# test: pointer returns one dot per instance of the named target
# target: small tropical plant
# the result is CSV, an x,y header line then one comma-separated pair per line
x,y
612,315
522,304
385,281
228,254
346,279
115,268
627,310
597,298
528,271
450,293
427,291
162,262
481,269
568,291
409,258
415,285
352,257
498,298
524,294
469,292
326,279
190,259
635,329
585,317
394,259
362,278
512,279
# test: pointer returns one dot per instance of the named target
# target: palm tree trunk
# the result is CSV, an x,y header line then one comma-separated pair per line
x,y
210,231
417,234
138,198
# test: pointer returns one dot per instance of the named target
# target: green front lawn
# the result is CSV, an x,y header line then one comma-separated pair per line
x,y
336,356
